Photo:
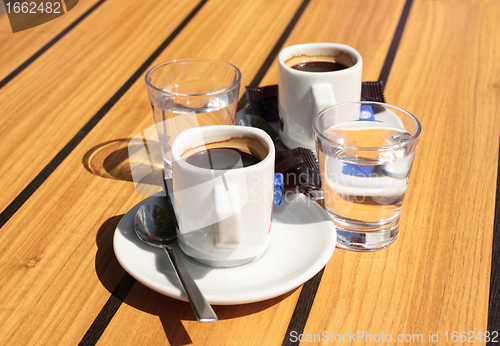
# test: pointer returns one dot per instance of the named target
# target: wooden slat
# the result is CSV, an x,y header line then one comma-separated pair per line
x,y
181,327
172,322
100,56
18,47
80,207
56,256
435,277
48,103
74,207
358,24
245,39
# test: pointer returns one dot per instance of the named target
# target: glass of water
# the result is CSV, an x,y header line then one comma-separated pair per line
x,y
187,93
365,152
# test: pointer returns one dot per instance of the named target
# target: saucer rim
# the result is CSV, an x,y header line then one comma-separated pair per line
x,y
267,289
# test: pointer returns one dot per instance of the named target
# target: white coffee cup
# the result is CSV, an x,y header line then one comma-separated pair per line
x,y
304,94
224,216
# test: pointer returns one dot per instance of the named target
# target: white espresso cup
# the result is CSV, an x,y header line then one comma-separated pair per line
x,y
224,215
303,94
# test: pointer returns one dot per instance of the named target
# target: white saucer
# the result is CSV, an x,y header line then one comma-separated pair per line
x,y
303,241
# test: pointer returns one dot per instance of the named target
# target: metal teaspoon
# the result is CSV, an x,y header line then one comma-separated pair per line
x,y
154,226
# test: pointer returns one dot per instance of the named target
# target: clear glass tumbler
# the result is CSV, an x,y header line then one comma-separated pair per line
x,y
365,152
187,93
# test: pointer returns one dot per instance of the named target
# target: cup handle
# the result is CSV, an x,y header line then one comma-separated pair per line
x,y
227,216
323,97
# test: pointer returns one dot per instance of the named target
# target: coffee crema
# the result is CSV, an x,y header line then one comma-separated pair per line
x,y
226,152
222,158
321,63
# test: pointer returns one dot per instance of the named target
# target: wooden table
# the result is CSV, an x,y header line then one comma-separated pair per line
x,y
76,84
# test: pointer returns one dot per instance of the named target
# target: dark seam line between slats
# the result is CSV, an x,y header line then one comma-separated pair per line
x,y
17,203
114,302
393,48
302,309
108,311
494,298
106,314
42,50
274,52
308,293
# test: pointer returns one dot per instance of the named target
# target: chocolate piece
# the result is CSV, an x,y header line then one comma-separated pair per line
x,y
300,171
263,101
372,91
299,166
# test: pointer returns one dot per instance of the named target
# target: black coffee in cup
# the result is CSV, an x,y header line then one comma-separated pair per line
x,y
320,63
319,66
222,158
229,153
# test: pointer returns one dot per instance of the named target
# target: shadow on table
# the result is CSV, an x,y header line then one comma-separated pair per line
x,y
109,160
108,270
127,159
170,311
173,313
